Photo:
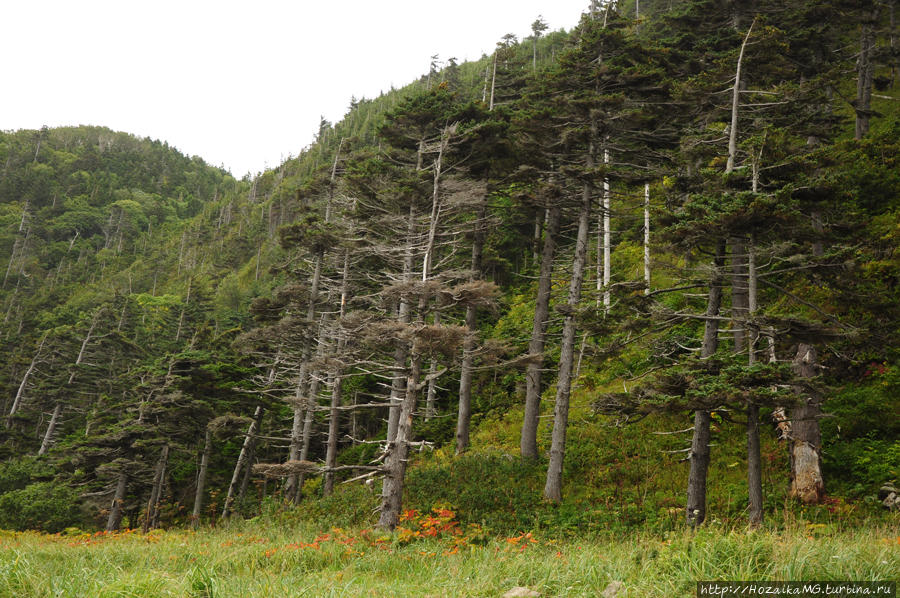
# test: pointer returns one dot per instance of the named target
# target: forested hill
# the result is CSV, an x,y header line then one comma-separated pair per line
x,y
684,219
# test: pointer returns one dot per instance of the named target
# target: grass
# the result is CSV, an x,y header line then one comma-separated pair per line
x,y
263,558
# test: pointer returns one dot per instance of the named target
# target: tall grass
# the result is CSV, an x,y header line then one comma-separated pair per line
x,y
263,558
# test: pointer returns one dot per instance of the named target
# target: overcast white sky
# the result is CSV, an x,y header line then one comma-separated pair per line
x,y
239,83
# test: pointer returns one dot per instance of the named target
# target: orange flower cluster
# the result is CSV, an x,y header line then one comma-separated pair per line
x,y
520,542
441,522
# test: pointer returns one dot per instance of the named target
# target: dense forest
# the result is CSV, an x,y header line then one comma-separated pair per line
x,y
640,272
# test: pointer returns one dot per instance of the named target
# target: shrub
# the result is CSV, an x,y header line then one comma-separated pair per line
x,y
42,506
505,498
18,473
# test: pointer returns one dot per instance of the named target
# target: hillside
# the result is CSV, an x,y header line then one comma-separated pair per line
x,y
639,275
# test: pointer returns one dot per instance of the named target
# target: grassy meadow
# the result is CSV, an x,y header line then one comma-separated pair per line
x,y
431,554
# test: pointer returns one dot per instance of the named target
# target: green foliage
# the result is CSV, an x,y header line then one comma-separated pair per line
x,y
44,506
16,474
860,466
504,499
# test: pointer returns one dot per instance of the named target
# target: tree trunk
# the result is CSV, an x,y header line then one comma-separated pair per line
x,y
607,234
333,427
201,479
807,484
528,441
699,455
334,414
251,455
398,383
647,238
84,343
156,491
51,428
892,22
739,293
754,460
292,483
431,395
735,104
242,457
398,450
115,509
312,404
465,376
21,391
539,217
553,486
493,82
754,466
865,70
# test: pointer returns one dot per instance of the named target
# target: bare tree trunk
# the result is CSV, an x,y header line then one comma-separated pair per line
x,y
539,217
292,483
807,483
242,457
754,460
647,238
398,383
12,260
333,427
739,293
528,441
51,428
334,414
735,104
21,391
398,450
607,237
699,455
251,455
553,486
893,34
465,376
865,70
115,508
156,491
201,479
433,221
312,404
431,395
493,82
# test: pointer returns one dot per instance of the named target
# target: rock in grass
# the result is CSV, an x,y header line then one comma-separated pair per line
x,y
520,592
613,589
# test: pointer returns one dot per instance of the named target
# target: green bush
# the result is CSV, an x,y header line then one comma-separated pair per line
x,y
861,446
860,466
16,474
351,505
499,492
42,506
866,410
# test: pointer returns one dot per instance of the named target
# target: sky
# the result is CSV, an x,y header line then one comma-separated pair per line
x,y
241,84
